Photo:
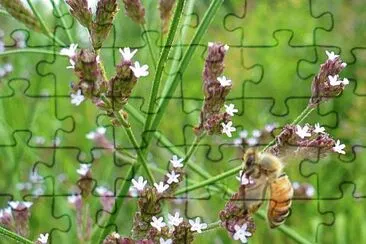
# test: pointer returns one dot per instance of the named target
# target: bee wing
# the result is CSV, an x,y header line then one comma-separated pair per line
x,y
281,193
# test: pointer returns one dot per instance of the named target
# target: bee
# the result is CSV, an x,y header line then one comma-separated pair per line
x,y
266,172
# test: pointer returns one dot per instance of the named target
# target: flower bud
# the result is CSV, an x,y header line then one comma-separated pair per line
x,y
21,214
81,11
135,10
165,7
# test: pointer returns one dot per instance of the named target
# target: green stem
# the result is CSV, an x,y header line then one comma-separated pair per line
x,y
209,181
208,17
149,45
55,7
46,31
193,148
12,235
29,50
132,138
162,62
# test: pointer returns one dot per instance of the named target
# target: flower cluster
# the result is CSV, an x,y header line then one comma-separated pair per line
x,y
107,198
16,217
305,142
135,10
165,7
303,190
35,183
216,88
83,219
256,137
326,84
98,136
85,180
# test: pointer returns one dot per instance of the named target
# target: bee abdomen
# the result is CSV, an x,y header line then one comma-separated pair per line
x,y
281,193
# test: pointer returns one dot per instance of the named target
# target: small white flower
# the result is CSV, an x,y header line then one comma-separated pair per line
x,y
237,142
210,44
344,64
331,55
345,81
302,132
243,134
140,71
167,241
338,147
84,169
94,134
8,67
172,177
230,109
270,127
295,185
157,223
139,184
223,81
73,198
127,54
175,220
226,47
161,187
39,140
177,162
310,191
244,179
333,80
116,235
256,133
252,141
197,226
227,128
241,233
318,128
34,177
43,238
70,52
101,190
17,204
77,98
72,64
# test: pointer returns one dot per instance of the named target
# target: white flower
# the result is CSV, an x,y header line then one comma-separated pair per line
x,y
237,142
34,177
295,185
256,133
333,80
140,71
17,204
344,64
70,52
227,128
243,134
168,241
310,191
172,177
72,64
230,109
252,141
197,226
223,81
127,54
319,129
177,162
157,223
77,98
226,47
175,220
302,132
161,187
331,55
84,169
73,198
338,147
241,233
8,67
270,127
244,179
345,81
210,44
43,238
101,190
93,134
139,184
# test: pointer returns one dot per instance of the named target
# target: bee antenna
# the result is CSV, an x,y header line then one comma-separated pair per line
x,y
235,159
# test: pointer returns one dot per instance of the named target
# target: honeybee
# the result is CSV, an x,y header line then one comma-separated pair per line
x,y
266,171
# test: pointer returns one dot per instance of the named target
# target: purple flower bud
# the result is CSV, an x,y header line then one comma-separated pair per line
x,y
21,214
165,7
81,11
135,10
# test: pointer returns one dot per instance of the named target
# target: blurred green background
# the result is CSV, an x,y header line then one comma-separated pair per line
x,y
275,49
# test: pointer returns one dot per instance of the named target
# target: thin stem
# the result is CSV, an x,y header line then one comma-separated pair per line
x,y
149,45
209,181
68,33
14,236
46,31
208,17
193,148
162,62
132,138
29,50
